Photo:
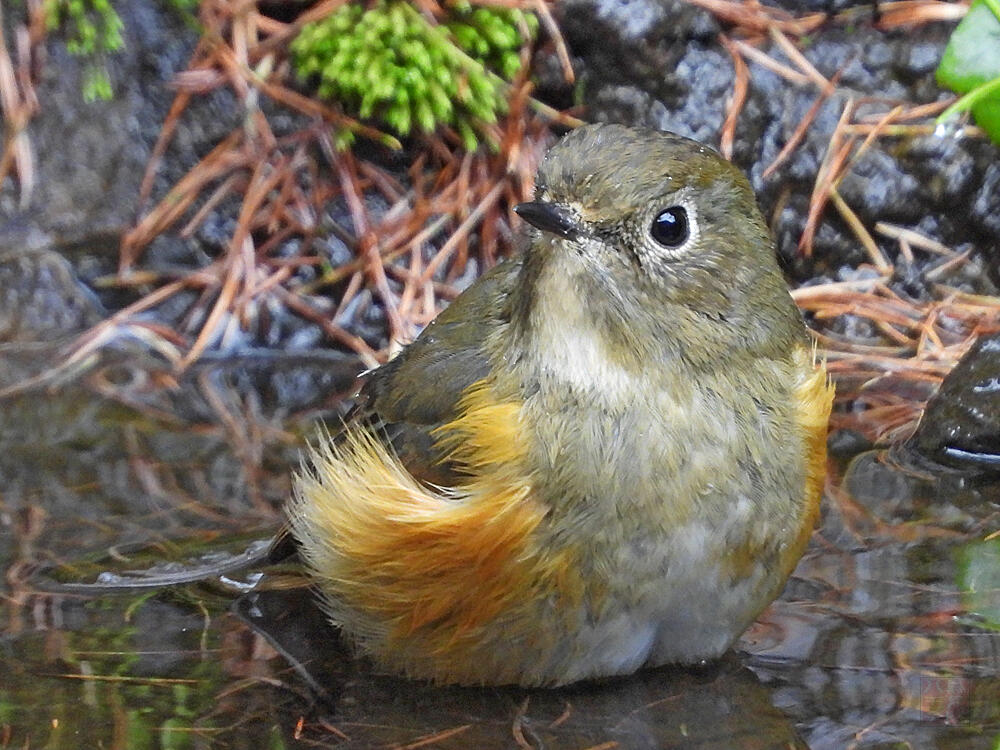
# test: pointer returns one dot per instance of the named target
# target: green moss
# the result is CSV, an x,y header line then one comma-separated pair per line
x,y
93,28
387,62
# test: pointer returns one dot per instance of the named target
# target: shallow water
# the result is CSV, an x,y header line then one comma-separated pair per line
x,y
887,636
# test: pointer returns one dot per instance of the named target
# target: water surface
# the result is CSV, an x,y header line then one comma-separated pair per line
x,y
887,636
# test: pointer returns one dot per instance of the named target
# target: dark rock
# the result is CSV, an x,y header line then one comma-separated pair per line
x,y
683,107
863,57
834,241
879,189
961,424
986,204
918,59
91,156
43,305
649,22
944,166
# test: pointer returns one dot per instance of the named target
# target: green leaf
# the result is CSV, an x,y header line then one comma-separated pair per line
x,y
970,65
972,56
987,114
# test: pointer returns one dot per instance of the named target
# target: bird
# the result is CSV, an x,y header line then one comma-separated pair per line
x,y
606,454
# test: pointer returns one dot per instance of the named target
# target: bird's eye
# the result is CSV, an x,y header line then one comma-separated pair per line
x,y
670,227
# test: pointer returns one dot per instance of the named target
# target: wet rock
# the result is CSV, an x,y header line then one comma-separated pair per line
x,y
41,298
663,49
961,424
91,156
864,57
683,106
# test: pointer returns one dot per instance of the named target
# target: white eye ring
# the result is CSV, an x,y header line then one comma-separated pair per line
x,y
674,225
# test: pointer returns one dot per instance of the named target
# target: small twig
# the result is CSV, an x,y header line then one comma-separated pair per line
x,y
435,738
913,12
834,158
368,240
298,305
517,726
759,17
907,113
232,275
17,110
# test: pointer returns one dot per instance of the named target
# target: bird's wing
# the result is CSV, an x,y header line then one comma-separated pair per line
x,y
405,400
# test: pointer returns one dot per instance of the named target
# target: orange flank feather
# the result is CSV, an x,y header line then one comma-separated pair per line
x,y
813,393
411,571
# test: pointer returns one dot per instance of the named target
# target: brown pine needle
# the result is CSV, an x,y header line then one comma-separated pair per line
x,y
913,12
793,53
864,237
803,127
766,61
552,29
433,739
912,238
757,17
741,85
474,217
368,241
947,266
211,329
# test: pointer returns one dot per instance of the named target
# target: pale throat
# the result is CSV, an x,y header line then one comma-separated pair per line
x,y
564,339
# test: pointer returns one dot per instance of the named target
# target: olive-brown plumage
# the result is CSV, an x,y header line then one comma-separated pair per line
x,y
605,454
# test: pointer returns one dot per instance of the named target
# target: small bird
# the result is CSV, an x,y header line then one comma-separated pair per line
x,y
605,454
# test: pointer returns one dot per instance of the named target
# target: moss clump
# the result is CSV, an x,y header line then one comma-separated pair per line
x,y
388,62
92,29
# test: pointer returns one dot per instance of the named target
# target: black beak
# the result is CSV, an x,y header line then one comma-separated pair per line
x,y
549,217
